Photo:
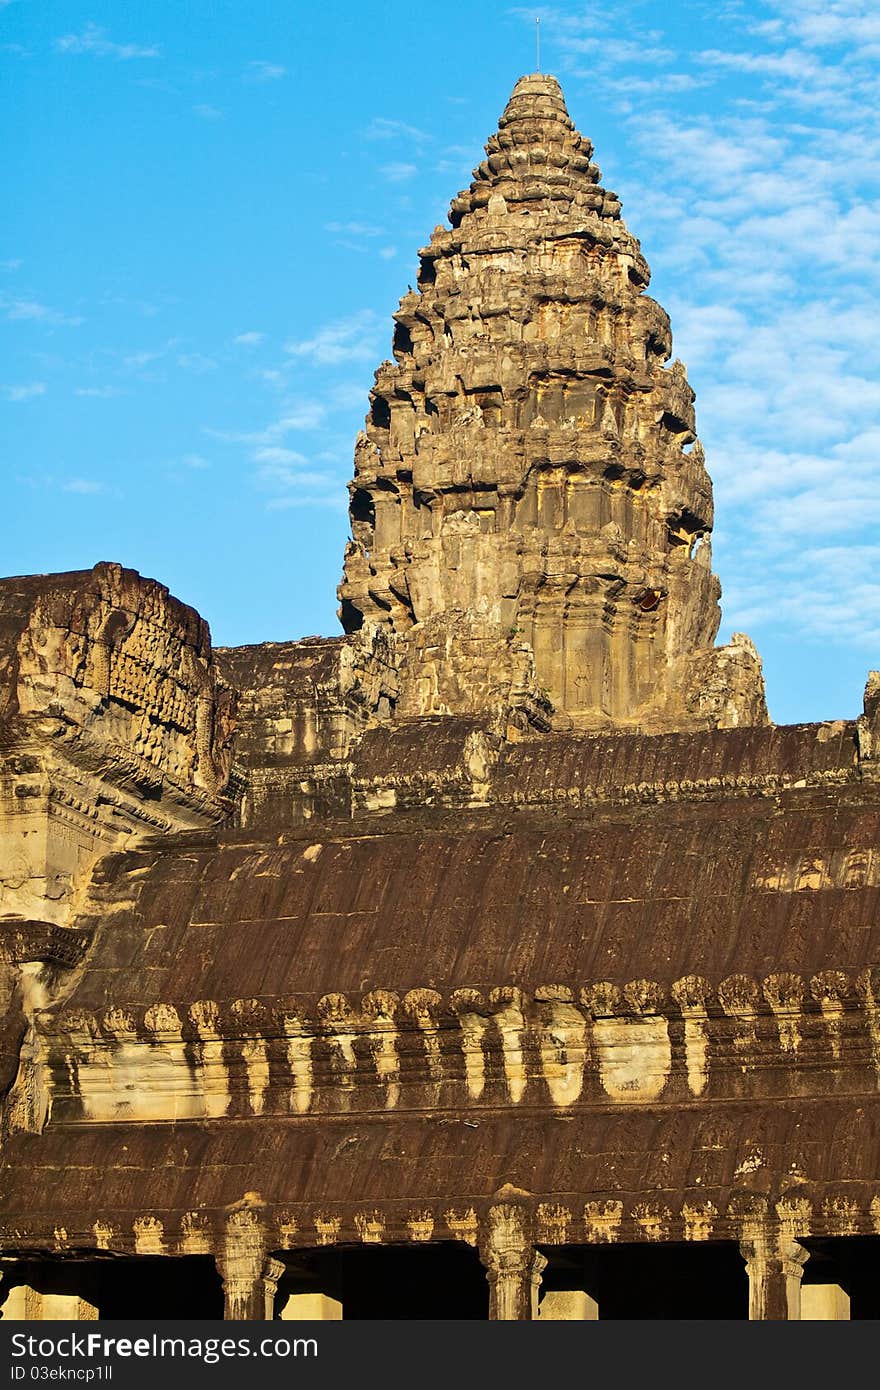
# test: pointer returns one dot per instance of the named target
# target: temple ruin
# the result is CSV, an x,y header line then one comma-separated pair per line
x,y
498,958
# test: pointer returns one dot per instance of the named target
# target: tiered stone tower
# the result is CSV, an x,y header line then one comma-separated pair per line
x,y
334,982
530,508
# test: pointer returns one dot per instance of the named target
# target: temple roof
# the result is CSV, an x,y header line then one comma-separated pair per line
x,y
493,897
512,889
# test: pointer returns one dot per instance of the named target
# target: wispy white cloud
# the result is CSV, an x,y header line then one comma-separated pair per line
x,y
616,52
398,171
277,456
352,339
381,128
84,486
146,307
287,474
301,487
31,310
251,339
825,592
262,71
137,360
307,415
356,229
710,152
821,24
333,498
346,395
24,393
94,40
206,112
99,392
665,84
196,362
793,63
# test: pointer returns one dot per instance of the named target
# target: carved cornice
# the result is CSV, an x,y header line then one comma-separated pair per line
x,y
22,940
733,996
599,1219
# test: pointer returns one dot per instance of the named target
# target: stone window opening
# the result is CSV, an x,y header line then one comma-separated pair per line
x,y
402,342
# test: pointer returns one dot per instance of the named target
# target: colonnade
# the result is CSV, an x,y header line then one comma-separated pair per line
x,y
761,1277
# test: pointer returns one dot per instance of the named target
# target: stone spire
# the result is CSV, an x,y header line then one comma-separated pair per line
x,y
530,508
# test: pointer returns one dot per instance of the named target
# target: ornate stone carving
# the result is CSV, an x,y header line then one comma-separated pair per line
x,y
530,508
112,722
119,676
775,1268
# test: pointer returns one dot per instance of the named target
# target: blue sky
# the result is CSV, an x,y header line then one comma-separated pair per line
x,y
213,209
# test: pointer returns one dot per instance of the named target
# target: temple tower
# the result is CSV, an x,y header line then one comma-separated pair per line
x,y
530,508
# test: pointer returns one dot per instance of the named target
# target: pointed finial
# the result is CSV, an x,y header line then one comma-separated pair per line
x,y
537,44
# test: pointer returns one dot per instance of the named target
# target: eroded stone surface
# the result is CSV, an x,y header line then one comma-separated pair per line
x,y
112,723
505,918
530,507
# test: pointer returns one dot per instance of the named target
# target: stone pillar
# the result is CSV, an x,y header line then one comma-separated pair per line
x,y
241,1268
775,1269
513,1266
536,1272
243,1300
272,1271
